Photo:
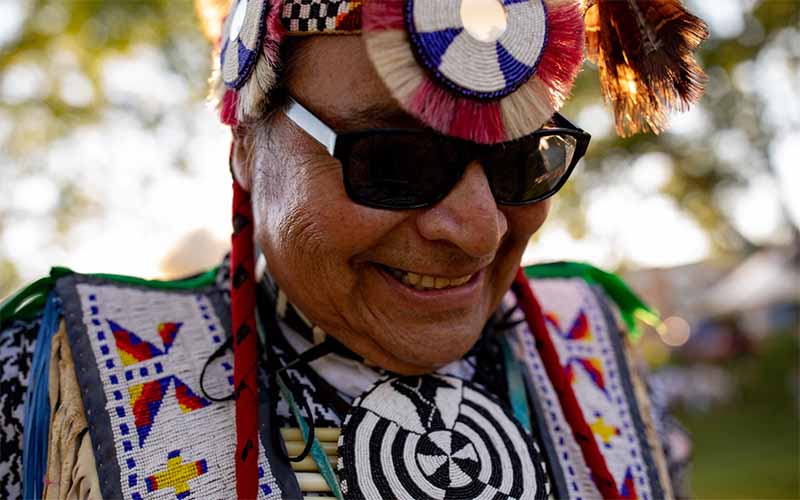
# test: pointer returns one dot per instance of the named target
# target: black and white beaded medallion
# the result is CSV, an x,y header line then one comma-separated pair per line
x,y
436,437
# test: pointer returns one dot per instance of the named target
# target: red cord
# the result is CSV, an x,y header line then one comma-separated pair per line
x,y
566,396
243,302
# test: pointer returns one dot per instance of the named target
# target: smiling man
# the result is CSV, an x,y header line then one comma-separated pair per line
x,y
387,344
408,289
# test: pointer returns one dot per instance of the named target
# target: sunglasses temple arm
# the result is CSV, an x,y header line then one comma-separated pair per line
x,y
313,126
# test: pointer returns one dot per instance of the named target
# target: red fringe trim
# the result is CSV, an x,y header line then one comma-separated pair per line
x,y
562,56
478,121
569,403
432,105
441,110
227,113
380,15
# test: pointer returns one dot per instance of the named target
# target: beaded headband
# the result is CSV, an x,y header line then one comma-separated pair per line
x,y
463,80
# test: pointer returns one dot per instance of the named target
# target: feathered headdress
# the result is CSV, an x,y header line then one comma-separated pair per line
x,y
486,89
644,51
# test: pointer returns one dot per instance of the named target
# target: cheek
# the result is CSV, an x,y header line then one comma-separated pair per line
x,y
304,218
523,222
290,220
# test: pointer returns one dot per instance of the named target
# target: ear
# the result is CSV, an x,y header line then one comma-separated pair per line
x,y
242,156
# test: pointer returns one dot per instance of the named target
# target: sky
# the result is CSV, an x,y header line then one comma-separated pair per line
x,y
141,207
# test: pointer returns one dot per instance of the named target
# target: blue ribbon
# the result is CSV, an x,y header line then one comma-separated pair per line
x,y
36,421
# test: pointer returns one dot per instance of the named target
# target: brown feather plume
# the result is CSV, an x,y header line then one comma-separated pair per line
x,y
644,51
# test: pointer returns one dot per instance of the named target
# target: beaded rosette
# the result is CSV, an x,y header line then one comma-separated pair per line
x,y
436,437
488,90
485,89
249,57
240,48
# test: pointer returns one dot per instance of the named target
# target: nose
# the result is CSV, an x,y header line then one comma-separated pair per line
x,y
468,217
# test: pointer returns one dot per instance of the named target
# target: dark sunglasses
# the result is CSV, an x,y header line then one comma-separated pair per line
x,y
401,169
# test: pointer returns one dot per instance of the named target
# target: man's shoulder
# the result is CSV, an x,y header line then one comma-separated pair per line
x,y
583,356
17,342
20,322
28,303
77,302
22,312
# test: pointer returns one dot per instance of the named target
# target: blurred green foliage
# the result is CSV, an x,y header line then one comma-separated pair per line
x,y
91,31
56,37
698,173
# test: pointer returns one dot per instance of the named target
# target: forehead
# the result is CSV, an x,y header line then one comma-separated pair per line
x,y
333,76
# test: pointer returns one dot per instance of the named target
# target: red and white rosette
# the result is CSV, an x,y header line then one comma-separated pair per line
x,y
484,89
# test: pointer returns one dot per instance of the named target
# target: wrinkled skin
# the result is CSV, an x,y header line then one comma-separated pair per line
x,y
322,248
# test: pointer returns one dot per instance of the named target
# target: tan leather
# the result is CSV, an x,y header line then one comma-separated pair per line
x,y
71,469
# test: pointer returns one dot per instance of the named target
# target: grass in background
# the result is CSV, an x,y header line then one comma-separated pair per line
x,y
750,448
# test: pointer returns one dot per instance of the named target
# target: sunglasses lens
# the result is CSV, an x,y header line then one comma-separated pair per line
x,y
402,170
524,171
399,170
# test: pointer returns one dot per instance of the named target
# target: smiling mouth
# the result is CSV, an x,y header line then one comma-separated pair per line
x,y
425,282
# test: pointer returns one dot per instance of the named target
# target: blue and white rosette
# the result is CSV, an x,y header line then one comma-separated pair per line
x,y
467,65
241,41
487,71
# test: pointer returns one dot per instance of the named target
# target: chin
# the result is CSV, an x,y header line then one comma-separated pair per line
x,y
431,348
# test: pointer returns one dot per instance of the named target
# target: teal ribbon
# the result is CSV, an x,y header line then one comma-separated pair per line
x,y
317,453
517,393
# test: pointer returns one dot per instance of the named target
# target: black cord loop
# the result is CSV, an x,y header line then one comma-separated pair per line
x,y
216,355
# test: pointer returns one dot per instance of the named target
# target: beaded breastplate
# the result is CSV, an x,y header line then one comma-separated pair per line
x,y
139,351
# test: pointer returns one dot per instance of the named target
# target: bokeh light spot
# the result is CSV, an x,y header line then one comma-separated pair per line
x,y
676,332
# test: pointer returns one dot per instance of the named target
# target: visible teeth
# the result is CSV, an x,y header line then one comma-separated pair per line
x,y
423,282
460,281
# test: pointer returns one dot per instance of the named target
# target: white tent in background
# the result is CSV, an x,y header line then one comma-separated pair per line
x,y
769,276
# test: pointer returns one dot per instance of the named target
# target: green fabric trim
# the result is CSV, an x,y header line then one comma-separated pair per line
x,y
30,301
631,307
26,303
201,280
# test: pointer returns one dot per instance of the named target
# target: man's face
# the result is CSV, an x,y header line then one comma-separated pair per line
x,y
343,264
